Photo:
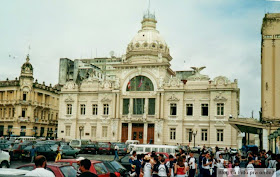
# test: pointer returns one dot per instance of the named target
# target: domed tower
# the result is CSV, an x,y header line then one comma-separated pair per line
x,y
148,46
26,75
27,69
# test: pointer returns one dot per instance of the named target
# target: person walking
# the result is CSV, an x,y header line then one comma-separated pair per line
x,y
192,165
147,166
170,165
40,170
116,152
84,168
163,169
206,165
58,156
11,151
32,153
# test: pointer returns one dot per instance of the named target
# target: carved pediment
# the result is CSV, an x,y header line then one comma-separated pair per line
x,y
173,98
220,124
70,85
106,99
220,98
69,99
221,80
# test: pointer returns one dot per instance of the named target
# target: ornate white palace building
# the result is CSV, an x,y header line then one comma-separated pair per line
x,y
138,96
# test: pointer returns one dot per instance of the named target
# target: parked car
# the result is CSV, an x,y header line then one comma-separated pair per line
x,y
4,146
58,169
124,161
122,148
116,168
4,159
90,148
12,172
66,150
17,150
104,148
195,149
40,150
97,167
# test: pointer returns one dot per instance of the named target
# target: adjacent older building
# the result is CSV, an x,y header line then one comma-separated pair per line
x,y
138,96
28,108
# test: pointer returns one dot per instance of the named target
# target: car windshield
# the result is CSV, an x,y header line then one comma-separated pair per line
x,y
68,171
104,145
75,142
100,168
121,145
117,165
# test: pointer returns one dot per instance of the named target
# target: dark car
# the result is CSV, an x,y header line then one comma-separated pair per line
x,y
58,169
90,148
122,148
40,150
124,161
104,148
116,168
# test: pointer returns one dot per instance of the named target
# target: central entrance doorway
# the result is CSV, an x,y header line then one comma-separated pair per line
x,y
137,132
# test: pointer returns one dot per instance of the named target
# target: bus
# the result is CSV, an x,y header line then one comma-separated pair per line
x,y
146,148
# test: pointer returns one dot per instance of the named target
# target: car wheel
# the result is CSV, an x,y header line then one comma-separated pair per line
x,y
4,164
75,155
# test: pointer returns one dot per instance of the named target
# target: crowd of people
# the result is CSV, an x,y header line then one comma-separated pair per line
x,y
184,164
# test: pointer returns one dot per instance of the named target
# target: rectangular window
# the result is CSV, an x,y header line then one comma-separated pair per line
x,y
83,109
24,97
189,108
106,109
138,105
189,135
69,109
22,130
152,104
204,109
220,135
13,113
204,134
173,109
1,113
125,106
67,130
220,109
4,112
23,111
172,133
104,131
93,131
94,109
10,112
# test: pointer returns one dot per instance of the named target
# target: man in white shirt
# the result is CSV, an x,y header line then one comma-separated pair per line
x,y
116,152
193,165
41,164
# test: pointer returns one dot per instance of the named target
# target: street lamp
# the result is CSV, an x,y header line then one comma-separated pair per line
x,y
194,134
81,129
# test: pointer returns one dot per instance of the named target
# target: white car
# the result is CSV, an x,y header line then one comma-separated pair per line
x,y
12,172
4,159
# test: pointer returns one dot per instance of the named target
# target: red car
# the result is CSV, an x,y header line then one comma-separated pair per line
x,y
58,169
104,148
97,167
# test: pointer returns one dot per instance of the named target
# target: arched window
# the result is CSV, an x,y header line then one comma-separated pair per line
x,y
140,83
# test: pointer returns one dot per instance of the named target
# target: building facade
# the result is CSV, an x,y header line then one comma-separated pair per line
x,y
28,108
138,96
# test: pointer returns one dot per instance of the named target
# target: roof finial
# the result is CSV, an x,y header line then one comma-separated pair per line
x,y
149,7
27,58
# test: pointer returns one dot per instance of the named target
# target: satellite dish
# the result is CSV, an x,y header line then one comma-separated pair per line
x,y
112,53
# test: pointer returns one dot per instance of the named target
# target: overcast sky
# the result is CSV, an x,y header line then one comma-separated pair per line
x,y
223,35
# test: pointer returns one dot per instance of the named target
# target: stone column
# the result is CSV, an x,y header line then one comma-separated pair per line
x,y
114,106
157,108
130,106
6,95
146,106
265,140
161,106
257,141
145,133
129,131
118,105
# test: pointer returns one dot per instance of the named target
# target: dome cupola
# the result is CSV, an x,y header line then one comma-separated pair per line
x,y
148,40
26,68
